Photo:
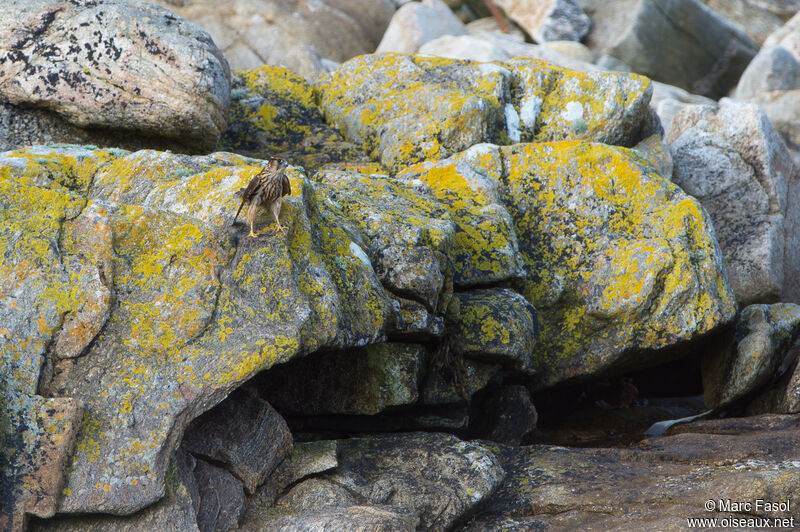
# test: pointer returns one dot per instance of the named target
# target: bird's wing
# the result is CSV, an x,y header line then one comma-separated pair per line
x,y
286,188
248,193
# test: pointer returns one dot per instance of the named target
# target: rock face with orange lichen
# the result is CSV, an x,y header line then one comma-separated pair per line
x,y
511,236
144,303
377,101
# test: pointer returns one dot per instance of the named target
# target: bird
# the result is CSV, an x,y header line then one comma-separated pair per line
x,y
267,187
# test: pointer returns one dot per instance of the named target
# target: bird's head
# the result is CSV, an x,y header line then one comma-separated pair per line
x,y
277,163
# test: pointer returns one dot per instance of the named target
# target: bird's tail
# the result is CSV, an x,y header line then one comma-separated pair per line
x,y
237,212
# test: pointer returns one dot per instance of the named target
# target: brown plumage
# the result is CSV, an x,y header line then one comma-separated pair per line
x,y
267,187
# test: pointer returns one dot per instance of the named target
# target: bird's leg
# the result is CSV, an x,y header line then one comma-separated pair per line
x,y
276,211
251,215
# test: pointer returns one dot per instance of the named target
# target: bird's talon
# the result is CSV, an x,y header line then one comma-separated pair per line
x,y
252,234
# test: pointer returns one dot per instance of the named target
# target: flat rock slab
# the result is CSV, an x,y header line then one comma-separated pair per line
x,y
169,79
661,484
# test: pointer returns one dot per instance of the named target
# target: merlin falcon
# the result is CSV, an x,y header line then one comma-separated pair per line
x,y
267,188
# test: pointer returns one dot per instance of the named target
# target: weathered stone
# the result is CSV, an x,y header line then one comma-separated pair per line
x,y
409,255
782,395
458,475
786,35
412,321
445,106
373,518
464,47
772,81
706,54
305,458
169,79
359,381
244,433
659,485
416,23
549,20
668,100
752,17
174,511
505,414
734,162
274,111
755,356
303,36
496,325
619,259
198,308
485,247
221,498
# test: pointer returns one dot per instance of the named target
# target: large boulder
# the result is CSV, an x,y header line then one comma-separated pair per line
x,y
309,37
772,81
731,158
756,18
384,473
112,65
444,106
617,259
198,307
416,23
706,54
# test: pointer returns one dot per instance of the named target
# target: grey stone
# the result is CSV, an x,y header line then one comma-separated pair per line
x,y
505,414
170,80
416,23
732,159
706,54
655,485
752,17
446,106
754,357
371,518
548,20
245,434
386,470
221,498
303,36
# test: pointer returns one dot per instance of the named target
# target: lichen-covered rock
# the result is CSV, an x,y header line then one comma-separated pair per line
x,y
407,235
198,308
617,258
731,158
444,106
274,111
115,64
359,381
174,511
494,325
756,355
372,518
485,247
706,54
